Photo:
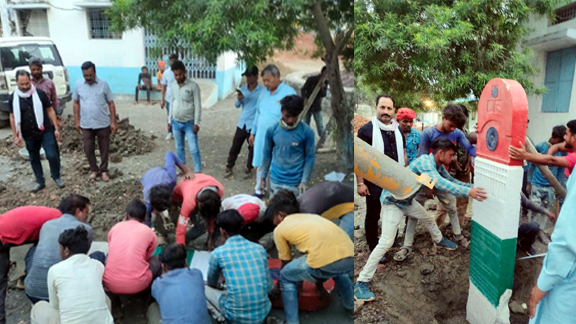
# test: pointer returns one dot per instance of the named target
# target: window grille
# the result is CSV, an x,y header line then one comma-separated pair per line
x,y
100,25
565,13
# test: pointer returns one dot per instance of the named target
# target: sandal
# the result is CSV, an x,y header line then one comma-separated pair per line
x,y
462,240
399,256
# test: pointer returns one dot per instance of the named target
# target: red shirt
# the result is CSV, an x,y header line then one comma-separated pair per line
x,y
130,246
23,224
571,159
185,193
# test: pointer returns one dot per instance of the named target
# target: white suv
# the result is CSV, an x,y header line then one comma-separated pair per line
x,y
15,52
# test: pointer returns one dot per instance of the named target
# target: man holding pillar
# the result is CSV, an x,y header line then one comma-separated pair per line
x,y
393,209
385,135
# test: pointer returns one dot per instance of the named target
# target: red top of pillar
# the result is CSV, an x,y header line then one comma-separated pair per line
x,y
502,120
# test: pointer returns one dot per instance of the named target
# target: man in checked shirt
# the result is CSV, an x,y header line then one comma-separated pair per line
x,y
43,84
392,210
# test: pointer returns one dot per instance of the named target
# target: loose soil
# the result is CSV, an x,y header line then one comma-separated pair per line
x,y
139,145
429,286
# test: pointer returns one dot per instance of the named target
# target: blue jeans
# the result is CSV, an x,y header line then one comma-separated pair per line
x,y
275,188
179,130
48,142
318,119
346,223
168,113
298,270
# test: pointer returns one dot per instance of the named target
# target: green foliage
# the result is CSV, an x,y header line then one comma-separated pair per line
x,y
442,50
251,28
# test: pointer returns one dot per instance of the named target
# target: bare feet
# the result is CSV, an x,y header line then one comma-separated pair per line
x,y
105,177
93,175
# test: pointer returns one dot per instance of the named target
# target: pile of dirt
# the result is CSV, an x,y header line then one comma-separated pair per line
x,y
8,148
430,286
127,141
359,121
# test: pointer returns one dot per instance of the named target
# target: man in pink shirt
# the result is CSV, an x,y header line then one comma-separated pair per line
x,y
19,226
130,267
569,145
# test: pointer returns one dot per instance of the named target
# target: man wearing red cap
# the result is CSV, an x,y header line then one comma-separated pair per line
x,y
405,118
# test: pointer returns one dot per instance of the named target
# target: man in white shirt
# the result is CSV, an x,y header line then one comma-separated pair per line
x,y
167,79
75,286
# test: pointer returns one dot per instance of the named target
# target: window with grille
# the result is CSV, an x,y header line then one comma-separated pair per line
x,y
100,25
565,13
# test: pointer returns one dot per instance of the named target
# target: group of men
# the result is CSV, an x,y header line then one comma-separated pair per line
x,y
445,152
71,280
68,282
35,124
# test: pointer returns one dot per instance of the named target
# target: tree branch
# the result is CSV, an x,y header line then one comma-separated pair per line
x,y
342,42
322,26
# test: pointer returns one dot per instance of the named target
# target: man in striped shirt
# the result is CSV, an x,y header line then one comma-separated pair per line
x,y
392,211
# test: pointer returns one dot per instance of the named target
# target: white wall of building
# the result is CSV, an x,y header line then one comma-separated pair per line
x,y
542,40
76,46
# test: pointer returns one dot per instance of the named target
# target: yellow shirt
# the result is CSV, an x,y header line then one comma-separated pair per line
x,y
319,238
159,76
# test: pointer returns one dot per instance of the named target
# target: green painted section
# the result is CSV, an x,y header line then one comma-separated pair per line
x,y
189,253
491,263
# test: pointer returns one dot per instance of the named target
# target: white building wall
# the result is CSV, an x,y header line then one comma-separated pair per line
x,y
541,123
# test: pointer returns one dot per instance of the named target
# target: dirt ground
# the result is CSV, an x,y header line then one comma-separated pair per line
x,y
429,286
131,159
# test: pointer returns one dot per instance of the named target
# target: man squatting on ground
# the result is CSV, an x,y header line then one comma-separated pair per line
x,y
392,211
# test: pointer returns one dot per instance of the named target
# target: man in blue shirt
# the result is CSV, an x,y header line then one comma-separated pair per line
x,y
291,150
244,265
179,292
541,193
553,298
267,115
247,99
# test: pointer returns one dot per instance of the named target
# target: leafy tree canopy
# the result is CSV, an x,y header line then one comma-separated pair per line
x,y
442,50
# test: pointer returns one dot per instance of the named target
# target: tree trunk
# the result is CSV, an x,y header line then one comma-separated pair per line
x,y
342,115
342,110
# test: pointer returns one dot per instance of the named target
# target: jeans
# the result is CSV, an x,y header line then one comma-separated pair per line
x,y
167,115
48,142
346,223
391,215
318,119
240,137
545,198
298,270
449,203
275,188
186,129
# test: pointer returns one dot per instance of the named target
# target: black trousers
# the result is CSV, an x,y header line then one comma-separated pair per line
x,y
373,208
240,136
145,88
4,268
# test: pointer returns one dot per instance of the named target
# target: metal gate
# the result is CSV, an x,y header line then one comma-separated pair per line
x,y
196,67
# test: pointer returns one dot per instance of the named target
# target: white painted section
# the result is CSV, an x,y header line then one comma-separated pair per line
x,y
544,39
226,61
480,311
69,29
500,212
